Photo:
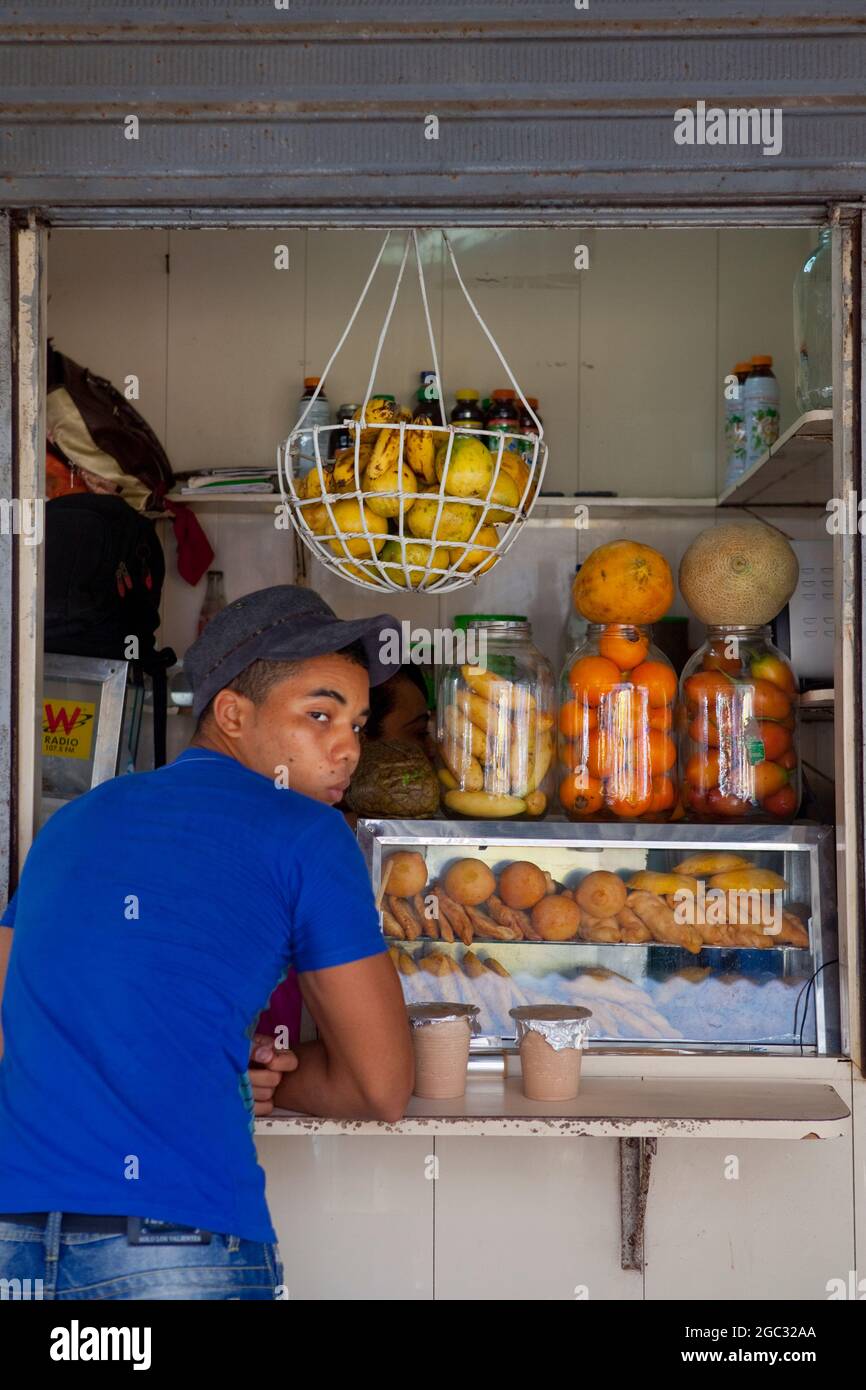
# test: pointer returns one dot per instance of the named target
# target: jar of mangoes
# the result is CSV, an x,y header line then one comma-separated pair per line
x,y
739,754
617,738
495,724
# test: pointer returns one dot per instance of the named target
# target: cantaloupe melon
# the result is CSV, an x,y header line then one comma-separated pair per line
x,y
740,573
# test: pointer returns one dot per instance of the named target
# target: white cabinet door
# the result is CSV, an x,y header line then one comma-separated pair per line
x,y
749,1219
353,1215
530,1219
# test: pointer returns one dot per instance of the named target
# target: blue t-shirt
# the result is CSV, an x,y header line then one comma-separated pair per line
x,y
154,917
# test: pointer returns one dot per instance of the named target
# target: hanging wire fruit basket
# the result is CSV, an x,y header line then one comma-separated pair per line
x,y
409,504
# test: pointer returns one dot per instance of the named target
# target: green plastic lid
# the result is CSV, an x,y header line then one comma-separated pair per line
x,y
381,396
462,620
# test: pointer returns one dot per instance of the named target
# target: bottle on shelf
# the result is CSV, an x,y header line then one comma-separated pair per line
x,y
735,425
813,343
760,409
319,415
466,414
214,599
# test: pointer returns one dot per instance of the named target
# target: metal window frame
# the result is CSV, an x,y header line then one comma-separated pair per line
x,y
23,241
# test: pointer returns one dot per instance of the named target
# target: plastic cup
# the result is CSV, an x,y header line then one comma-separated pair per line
x,y
440,1036
551,1038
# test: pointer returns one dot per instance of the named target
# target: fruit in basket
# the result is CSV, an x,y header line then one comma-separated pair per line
x,y
385,455
601,894
407,873
504,494
556,918
378,412
740,573
521,472
469,470
623,582
420,450
464,558
522,884
484,805
389,482
456,522
395,552
351,515
469,882
625,646
343,476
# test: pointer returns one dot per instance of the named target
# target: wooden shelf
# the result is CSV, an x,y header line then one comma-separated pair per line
x,y
608,1107
797,471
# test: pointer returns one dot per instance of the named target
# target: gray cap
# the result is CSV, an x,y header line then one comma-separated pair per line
x,y
283,623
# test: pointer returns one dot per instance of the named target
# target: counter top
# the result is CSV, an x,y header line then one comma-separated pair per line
x,y
608,1107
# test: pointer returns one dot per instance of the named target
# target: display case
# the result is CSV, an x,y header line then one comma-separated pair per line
x,y
754,970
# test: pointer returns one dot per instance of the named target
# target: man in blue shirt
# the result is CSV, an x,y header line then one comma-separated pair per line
x,y
163,908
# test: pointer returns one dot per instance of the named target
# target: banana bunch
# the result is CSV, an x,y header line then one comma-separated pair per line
x,y
344,467
421,451
386,454
379,412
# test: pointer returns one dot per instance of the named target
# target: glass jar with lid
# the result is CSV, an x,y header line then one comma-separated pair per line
x,y
617,731
739,749
495,721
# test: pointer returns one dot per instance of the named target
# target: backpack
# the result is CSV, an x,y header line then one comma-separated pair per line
x,y
104,571
97,428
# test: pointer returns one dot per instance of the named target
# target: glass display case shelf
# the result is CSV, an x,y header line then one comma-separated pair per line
x,y
707,937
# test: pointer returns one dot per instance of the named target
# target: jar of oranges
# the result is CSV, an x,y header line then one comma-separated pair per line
x,y
496,724
617,741
739,741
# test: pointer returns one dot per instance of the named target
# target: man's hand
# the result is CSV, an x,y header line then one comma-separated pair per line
x,y
273,1064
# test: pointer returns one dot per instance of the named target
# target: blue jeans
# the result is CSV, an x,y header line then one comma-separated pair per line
x,y
47,1264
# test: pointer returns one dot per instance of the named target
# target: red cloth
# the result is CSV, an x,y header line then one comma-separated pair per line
x,y
284,1008
194,553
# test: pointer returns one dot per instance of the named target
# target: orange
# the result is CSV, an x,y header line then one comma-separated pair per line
x,y
659,680
702,771
769,778
575,719
775,738
624,646
591,677
663,794
661,718
599,753
634,802
623,582
580,794
769,702
662,752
